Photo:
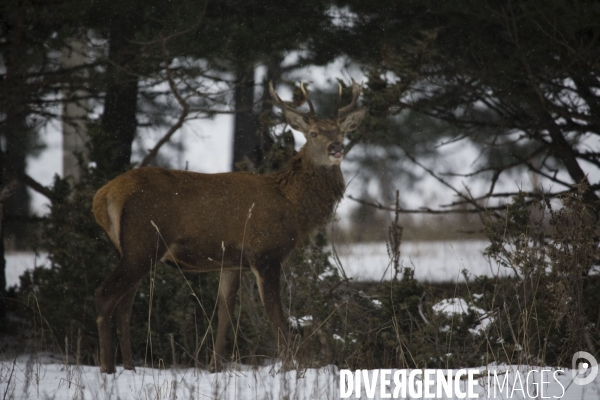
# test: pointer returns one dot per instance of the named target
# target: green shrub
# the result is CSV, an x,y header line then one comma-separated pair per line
x,y
545,312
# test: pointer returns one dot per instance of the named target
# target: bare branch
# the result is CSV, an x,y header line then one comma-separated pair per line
x,y
424,210
427,210
442,181
532,195
185,110
520,161
35,185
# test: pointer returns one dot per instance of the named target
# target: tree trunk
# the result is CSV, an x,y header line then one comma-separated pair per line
x,y
3,322
247,152
16,143
15,162
17,136
74,112
276,150
564,152
119,123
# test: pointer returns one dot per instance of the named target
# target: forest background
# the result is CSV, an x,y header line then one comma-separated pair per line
x,y
516,83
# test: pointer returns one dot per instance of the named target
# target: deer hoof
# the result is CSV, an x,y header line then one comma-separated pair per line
x,y
214,369
215,365
129,367
107,370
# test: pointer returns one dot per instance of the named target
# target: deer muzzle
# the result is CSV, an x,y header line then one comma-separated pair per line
x,y
336,150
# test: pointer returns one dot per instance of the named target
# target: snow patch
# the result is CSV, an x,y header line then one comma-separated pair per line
x,y
458,306
301,322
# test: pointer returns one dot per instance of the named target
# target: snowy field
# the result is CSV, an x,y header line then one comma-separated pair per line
x,y
30,379
433,261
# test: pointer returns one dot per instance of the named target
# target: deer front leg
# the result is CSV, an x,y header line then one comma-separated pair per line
x,y
267,279
229,284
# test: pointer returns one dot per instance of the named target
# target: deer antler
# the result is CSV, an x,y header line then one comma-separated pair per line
x,y
275,96
342,112
339,99
310,104
282,104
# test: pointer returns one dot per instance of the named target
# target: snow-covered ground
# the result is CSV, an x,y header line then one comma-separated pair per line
x,y
30,379
433,261
45,376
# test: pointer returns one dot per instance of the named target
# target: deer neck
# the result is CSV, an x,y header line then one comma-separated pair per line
x,y
313,191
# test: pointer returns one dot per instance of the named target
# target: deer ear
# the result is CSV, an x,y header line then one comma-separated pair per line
x,y
296,120
352,121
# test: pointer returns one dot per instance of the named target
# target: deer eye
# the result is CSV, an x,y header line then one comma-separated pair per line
x,y
313,134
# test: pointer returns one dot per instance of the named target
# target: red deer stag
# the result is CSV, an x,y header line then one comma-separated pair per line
x,y
205,217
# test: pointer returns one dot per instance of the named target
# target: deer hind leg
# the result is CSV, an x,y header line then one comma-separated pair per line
x,y
229,284
121,281
267,279
123,314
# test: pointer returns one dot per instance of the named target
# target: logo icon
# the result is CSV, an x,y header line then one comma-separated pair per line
x,y
578,371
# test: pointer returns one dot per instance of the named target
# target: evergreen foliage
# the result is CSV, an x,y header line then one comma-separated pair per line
x,y
519,80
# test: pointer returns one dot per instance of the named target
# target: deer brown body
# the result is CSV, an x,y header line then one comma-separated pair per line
x,y
218,222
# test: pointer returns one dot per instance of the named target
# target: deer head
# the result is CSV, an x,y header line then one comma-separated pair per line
x,y
324,137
